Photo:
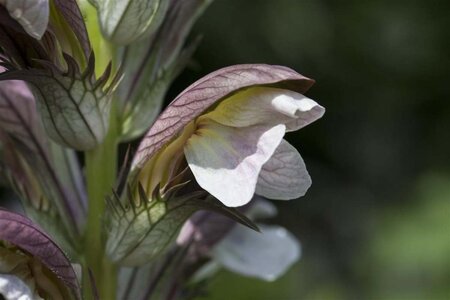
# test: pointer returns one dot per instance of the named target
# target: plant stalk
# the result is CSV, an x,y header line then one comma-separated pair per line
x,y
101,171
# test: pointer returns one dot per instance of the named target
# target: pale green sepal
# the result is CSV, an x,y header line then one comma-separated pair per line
x,y
75,110
33,15
123,21
138,234
141,230
266,255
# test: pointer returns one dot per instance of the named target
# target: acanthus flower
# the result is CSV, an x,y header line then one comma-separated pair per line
x,y
230,127
226,132
215,241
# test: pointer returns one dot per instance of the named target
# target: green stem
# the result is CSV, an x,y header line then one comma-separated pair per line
x,y
101,170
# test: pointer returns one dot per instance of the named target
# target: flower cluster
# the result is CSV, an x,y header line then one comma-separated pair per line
x,y
78,79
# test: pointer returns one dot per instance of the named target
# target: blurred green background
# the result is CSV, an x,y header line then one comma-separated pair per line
x,y
376,221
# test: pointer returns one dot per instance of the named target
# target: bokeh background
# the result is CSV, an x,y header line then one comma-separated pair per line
x,y
376,222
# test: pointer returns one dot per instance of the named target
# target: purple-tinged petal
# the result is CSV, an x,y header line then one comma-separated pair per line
x,y
201,95
284,176
22,233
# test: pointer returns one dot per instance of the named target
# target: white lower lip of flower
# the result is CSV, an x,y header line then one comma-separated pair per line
x,y
235,140
226,161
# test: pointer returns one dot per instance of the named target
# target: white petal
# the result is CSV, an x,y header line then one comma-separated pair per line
x,y
12,288
284,176
31,14
226,161
265,255
263,105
